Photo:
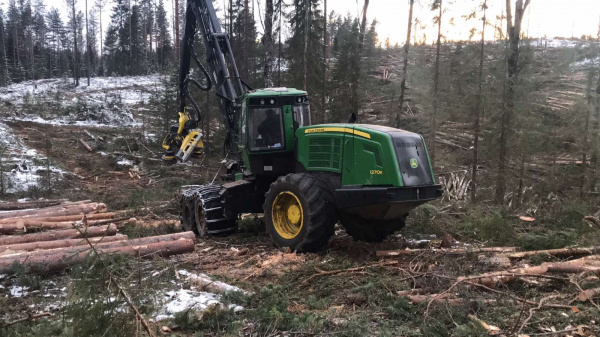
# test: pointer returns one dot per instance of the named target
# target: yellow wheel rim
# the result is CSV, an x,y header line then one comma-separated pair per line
x,y
287,215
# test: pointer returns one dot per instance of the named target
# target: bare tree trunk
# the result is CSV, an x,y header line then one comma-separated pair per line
x,y
279,45
100,6
177,51
307,6
477,126
87,39
405,64
325,45
361,42
76,55
245,56
585,145
514,35
436,82
267,40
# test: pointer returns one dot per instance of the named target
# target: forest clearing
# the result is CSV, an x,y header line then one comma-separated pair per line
x,y
133,204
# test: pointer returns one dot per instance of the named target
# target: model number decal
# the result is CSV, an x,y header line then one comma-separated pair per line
x,y
379,172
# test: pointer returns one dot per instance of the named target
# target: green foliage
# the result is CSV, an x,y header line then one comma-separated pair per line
x,y
493,227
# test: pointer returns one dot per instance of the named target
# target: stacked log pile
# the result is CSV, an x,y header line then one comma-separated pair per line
x,y
61,234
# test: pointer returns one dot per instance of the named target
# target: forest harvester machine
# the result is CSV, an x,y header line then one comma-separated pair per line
x,y
304,178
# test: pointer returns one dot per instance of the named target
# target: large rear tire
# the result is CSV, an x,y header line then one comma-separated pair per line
x,y
300,212
202,211
368,230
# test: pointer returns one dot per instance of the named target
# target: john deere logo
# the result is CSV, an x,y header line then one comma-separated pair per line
x,y
414,163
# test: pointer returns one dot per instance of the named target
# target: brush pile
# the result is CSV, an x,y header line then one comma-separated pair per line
x,y
49,236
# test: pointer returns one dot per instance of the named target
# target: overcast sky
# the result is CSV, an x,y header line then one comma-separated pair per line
x,y
548,18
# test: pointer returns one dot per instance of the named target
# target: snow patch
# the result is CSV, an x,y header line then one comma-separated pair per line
x,y
585,62
106,102
27,168
176,301
18,291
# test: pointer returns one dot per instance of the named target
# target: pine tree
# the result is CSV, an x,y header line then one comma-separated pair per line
x,y
4,77
304,51
74,28
163,42
343,74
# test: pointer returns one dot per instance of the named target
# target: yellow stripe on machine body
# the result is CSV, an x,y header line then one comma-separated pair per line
x,y
338,129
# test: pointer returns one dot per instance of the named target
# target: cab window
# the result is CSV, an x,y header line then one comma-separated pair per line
x,y
301,115
266,128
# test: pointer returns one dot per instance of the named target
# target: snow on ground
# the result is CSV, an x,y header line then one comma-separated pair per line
x,y
27,168
176,301
169,302
585,62
107,101
557,43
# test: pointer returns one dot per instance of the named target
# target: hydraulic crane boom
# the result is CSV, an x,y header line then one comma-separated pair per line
x,y
222,71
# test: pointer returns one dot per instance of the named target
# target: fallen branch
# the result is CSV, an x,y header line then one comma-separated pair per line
x,y
459,251
28,318
564,252
87,147
114,281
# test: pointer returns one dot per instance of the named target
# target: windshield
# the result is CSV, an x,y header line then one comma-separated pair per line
x,y
266,128
301,115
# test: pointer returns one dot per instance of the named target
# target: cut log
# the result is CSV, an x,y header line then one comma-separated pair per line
x,y
12,206
56,211
46,261
588,294
206,283
450,299
139,241
29,211
87,147
458,251
24,226
62,218
564,252
90,232
42,245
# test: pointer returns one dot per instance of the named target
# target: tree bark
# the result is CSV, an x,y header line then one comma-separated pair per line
x,y
478,112
361,42
458,251
325,47
24,226
436,83
57,260
513,29
405,64
66,209
45,245
12,206
307,7
76,55
87,39
267,40
27,219
90,232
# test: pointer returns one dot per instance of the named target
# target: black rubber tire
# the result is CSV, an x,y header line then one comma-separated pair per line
x,y
318,204
367,230
186,215
211,220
